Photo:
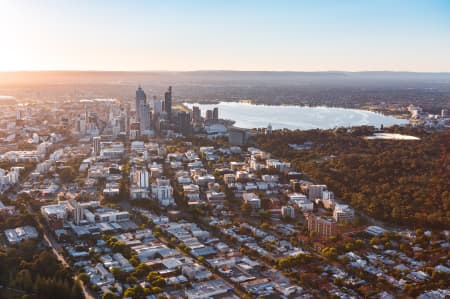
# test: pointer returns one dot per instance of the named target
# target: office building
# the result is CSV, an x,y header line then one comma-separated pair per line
x,y
135,130
445,113
77,211
145,119
141,97
157,106
96,145
168,103
114,216
315,191
140,178
209,115
196,115
55,214
183,123
323,227
343,213
252,199
82,124
143,112
278,165
301,201
288,212
237,136
163,192
215,114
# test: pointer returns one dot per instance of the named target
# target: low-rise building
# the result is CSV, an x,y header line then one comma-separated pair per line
x,y
278,165
229,178
288,212
301,201
343,213
114,216
55,214
252,199
18,234
163,192
196,272
207,289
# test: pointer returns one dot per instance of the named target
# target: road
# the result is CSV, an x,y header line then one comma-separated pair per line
x,y
52,243
55,246
236,288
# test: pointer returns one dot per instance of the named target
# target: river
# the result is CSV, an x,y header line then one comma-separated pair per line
x,y
250,116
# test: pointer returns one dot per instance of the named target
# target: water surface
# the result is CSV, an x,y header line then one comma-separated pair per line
x,y
250,116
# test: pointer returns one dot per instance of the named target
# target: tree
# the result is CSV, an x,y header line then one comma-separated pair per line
x,y
265,225
134,260
264,215
66,174
84,277
329,252
160,282
118,274
108,295
359,244
24,280
76,292
156,290
45,264
246,209
130,292
141,270
399,171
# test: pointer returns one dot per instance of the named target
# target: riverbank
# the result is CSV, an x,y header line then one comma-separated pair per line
x,y
294,117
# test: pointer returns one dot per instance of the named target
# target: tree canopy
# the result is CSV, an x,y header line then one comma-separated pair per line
x,y
400,181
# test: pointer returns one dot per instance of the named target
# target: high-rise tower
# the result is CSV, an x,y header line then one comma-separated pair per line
x,y
168,102
145,117
196,114
141,98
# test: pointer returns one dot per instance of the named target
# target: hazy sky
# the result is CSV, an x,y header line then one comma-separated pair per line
x,y
229,34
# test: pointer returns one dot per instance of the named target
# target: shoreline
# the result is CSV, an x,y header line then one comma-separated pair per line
x,y
309,126
253,103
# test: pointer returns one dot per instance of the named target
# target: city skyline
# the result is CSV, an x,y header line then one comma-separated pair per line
x,y
231,35
224,149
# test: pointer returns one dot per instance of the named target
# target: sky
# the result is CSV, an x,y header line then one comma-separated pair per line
x,y
180,35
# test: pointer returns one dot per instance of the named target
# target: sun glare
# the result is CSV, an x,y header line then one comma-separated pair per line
x,y
15,46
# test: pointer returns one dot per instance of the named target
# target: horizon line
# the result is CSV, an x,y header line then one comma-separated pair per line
x,y
222,70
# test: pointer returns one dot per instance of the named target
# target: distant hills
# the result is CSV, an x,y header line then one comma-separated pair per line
x,y
334,88
152,77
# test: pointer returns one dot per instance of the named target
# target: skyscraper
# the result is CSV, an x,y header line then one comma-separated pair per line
x,y
157,106
196,115
209,115
141,98
145,117
168,103
123,120
82,123
183,123
216,113
143,113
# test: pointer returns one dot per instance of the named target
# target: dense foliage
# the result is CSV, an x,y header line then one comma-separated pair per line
x,y
400,181
30,271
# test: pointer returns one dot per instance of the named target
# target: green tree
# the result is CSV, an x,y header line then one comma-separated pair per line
x,y
84,277
108,295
